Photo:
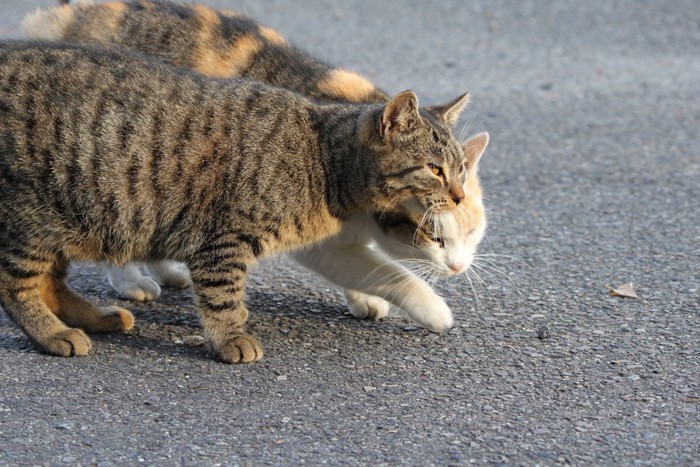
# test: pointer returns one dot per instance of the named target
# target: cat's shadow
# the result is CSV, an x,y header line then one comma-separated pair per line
x,y
171,325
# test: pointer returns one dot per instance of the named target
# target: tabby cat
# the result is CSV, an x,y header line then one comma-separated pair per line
x,y
106,155
228,44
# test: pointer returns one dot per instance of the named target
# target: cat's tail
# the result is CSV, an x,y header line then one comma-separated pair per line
x,y
51,24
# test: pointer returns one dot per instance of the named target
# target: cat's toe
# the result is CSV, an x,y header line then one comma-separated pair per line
x,y
438,319
144,290
116,319
369,307
67,343
433,314
441,323
241,349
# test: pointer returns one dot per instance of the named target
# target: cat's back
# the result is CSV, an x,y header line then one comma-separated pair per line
x,y
105,138
74,74
107,107
53,92
221,43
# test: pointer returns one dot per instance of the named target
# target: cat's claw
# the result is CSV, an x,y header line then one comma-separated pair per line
x,y
363,306
241,349
67,343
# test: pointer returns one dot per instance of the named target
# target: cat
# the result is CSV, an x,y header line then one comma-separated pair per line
x,y
227,44
110,156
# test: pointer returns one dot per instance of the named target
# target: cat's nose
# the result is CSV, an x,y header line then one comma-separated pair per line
x,y
457,193
456,267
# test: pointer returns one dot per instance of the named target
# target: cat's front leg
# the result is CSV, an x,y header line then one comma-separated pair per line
x,y
362,269
218,279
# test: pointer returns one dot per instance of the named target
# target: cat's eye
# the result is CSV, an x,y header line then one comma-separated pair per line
x,y
435,169
439,241
462,168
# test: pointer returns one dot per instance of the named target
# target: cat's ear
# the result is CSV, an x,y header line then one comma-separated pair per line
x,y
473,149
400,115
449,113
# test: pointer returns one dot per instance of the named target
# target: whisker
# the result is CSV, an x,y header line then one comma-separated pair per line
x,y
471,284
496,255
477,277
426,215
494,273
389,204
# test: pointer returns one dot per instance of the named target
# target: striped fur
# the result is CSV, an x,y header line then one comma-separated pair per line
x,y
228,44
214,43
105,155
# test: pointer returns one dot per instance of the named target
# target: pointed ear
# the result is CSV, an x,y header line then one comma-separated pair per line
x,y
449,112
473,148
400,114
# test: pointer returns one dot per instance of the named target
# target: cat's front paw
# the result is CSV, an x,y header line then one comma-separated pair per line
x,y
144,289
114,319
241,349
363,306
67,343
433,314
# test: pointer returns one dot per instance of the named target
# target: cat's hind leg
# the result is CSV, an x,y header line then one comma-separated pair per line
x,y
170,274
131,284
75,311
25,294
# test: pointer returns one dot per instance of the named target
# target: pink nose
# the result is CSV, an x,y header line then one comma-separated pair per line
x,y
456,267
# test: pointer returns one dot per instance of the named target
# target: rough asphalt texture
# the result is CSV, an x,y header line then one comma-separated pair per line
x,y
592,180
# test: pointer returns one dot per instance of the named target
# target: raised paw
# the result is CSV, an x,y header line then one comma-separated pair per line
x,y
241,349
113,319
363,306
67,343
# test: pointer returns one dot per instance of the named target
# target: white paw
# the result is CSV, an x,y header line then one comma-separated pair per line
x,y
170,274
364,306
433,314
144,289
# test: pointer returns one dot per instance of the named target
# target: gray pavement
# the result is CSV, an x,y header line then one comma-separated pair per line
x,y
592,180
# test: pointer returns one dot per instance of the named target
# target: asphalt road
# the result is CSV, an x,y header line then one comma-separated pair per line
x,y
592,180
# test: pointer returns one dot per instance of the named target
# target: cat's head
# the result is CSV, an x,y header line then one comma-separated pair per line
x,y
442,243
420,165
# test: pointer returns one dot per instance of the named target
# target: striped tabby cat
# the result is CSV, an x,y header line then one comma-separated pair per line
x,y
106,155
227,44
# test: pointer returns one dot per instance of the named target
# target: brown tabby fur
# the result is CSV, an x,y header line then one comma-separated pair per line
x,y
215,43
105,155
227,44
